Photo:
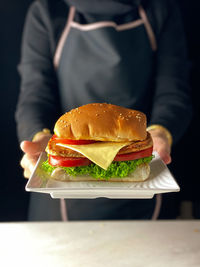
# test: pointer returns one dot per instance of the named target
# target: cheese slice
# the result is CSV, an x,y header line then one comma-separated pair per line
x,y
101,153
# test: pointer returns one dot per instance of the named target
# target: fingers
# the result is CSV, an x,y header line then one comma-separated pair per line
x,y
165,156
31,147
32,151
37,146
28,164
163,148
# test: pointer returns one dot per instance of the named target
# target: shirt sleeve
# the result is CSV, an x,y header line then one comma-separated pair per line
x,y
38,104
172,106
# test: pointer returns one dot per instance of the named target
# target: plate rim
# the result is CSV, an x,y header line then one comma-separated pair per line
x,y
106,190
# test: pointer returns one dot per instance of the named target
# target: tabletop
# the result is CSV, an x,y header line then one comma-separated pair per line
x,y
101,243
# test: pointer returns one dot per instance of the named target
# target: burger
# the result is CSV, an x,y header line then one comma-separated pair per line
x,y
100,141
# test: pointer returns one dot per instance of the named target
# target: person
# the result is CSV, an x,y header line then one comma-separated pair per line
x,y
130,53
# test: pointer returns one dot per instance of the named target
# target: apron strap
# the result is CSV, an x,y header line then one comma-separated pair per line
x,y
97,25
63,210
69,24
64,36
157,207
148,28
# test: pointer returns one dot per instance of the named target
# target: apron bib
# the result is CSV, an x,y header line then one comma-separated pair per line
x,y
105,62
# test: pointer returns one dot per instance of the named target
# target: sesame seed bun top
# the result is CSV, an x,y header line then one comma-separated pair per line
x,y
102,122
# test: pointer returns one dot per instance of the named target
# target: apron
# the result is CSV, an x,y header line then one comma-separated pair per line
x,y
106,62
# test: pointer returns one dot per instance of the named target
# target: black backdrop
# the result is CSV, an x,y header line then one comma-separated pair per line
x,y
185,164
13,198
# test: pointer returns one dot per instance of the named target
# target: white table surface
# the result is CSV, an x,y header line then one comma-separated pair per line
x,y
101,243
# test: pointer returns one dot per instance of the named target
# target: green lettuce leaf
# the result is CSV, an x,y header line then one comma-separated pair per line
x,y
116,169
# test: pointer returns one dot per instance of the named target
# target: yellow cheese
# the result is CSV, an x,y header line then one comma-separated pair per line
x,y
101,153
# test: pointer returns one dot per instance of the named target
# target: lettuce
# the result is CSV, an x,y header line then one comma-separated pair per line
x,y
116,169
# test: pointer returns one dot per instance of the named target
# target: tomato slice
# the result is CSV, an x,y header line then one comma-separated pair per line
x,y
72,142
134,155
58,161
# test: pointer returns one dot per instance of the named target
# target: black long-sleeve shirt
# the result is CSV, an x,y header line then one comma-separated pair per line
x,y
39,105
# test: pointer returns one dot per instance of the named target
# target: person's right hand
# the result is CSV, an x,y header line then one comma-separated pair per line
x,y
32,151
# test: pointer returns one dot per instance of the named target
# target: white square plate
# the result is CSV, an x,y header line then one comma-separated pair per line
x,y
160,181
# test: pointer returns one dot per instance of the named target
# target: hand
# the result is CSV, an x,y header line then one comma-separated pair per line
x,y
161,145
32,151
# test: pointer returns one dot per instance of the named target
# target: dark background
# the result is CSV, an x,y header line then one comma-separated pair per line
x,y
13,198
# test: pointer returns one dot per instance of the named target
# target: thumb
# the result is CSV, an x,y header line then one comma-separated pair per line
x,y
31,147
164,156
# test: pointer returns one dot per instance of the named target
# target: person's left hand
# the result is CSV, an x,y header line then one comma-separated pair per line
x,y
161,145
32,151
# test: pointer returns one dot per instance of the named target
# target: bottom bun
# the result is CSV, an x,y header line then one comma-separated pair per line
x,y
140,174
